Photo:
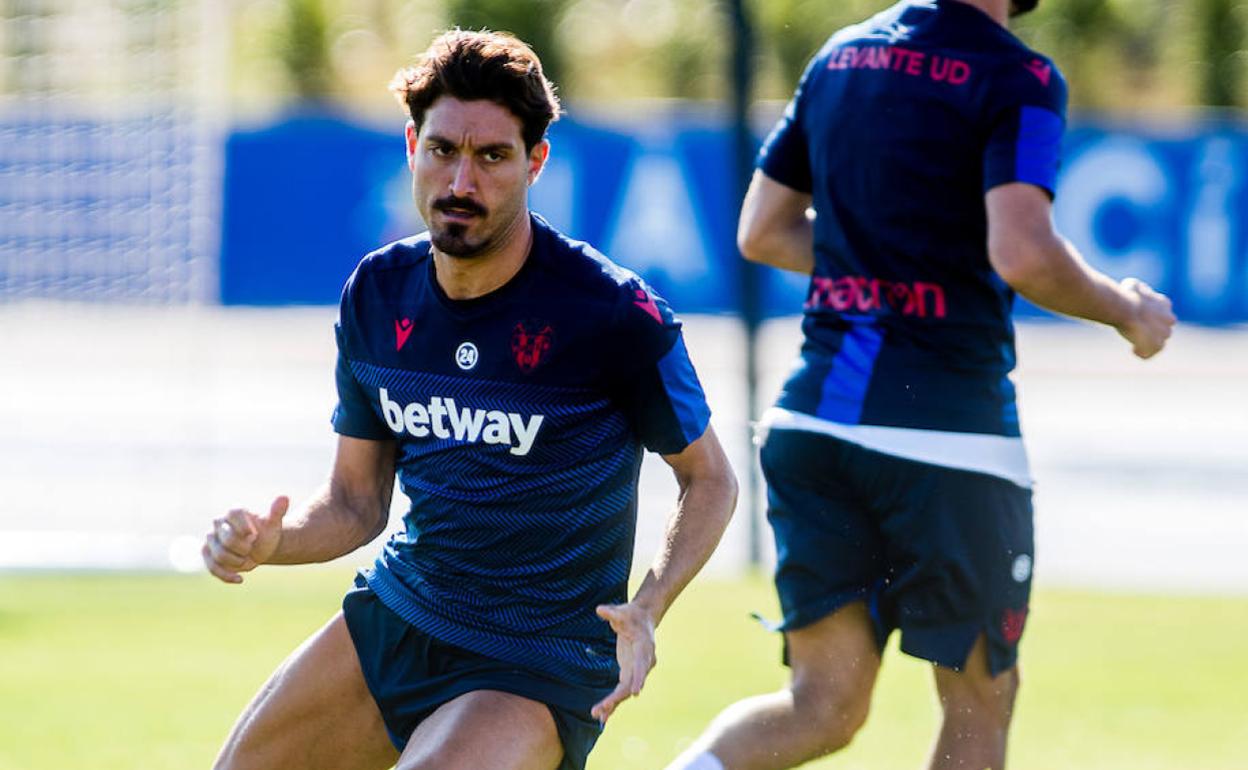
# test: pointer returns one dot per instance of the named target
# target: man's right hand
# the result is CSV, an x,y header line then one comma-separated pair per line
x,y
1151,321
240,541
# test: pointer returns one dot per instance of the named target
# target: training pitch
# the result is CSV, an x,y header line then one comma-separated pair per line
x,y
149,671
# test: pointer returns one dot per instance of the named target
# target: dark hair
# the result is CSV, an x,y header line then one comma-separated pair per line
x,y
472,65
1019,7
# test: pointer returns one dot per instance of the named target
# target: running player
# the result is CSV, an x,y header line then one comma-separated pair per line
x,y
512,377
926,141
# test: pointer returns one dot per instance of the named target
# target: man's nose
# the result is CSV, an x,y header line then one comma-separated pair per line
x,y
463,181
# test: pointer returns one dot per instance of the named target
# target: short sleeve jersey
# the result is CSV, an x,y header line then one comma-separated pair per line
x,y
519,419
898,128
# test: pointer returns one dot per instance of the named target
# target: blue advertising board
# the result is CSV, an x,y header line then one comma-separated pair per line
x,y
306,197
1164,205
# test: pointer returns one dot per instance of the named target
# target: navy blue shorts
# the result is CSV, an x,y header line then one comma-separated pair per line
x,y
410,674
942,554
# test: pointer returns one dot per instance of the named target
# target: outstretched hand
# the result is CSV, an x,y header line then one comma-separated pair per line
x,y
634,650
241,541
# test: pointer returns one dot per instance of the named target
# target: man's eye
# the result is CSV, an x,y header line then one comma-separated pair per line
x,y
494,157
441,151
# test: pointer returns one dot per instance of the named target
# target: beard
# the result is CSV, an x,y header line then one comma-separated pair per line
x,y
453,241
452,238
1019,7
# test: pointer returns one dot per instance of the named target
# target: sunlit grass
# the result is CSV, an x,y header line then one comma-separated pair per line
x,y
117,672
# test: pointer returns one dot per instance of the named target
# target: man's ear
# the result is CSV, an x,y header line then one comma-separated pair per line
x,y
537,159
409,134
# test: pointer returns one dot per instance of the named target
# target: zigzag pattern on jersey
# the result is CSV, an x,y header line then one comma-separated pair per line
x,y
483,542
538,571
467,474
500,547
558,601
590,661
553,615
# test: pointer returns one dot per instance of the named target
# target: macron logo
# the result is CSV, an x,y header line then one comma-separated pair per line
x,y
402,330
444,419
1042,71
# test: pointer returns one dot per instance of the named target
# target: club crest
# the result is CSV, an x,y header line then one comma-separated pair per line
x,y
530,344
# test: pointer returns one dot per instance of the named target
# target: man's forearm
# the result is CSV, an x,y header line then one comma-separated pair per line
x,y
327,526
1068,285
693,531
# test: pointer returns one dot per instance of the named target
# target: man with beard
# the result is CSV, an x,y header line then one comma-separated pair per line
x,y
925,142
512,378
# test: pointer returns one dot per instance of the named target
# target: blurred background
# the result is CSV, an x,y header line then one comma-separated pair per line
x,y
185,185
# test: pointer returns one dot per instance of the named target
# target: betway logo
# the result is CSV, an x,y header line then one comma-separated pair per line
x,y
467,424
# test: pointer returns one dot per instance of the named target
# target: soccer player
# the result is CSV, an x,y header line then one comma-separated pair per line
x,y
926,142
512,377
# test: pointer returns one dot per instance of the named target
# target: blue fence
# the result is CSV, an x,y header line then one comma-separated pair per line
x,y
306,197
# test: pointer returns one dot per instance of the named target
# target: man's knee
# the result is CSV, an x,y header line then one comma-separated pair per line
x,y
835,710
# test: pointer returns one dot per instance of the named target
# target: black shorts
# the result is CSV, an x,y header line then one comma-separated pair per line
x,y
410,674
942,554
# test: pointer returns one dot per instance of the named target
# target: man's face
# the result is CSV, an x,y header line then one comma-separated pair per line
x,y
471,174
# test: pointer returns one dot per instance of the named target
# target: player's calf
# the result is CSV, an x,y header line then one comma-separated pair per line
x,y
977,708
780,730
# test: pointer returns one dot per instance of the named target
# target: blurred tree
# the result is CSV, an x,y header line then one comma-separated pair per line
x,y
303,45
1078,35
533,21
693,46
793,30
1112,51
1117,54
1220,40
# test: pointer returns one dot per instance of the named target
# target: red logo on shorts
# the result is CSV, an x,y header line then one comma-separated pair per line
x,y
530,343
1012,622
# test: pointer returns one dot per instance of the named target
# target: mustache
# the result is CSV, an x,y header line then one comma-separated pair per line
x,y
465,204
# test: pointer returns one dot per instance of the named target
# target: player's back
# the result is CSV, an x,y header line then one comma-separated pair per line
x,y
898,128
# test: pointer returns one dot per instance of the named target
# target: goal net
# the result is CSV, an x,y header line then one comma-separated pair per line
x,y
109,149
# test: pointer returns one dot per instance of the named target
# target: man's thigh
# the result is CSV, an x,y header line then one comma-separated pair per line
x,y
835,661
485,728
829,552
943,554
959,547
415,677
314,713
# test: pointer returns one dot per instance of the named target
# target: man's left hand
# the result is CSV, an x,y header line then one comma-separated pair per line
x,y
634,649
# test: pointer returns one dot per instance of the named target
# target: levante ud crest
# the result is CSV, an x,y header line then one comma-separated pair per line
x,y
530,344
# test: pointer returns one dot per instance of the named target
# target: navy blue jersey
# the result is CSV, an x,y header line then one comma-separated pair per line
x,y
520,418
898,128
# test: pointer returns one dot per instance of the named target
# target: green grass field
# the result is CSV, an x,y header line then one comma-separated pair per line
x,y
149,671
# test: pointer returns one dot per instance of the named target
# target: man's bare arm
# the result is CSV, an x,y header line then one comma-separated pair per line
x,y
347,512
775,227
708,495
1045,268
